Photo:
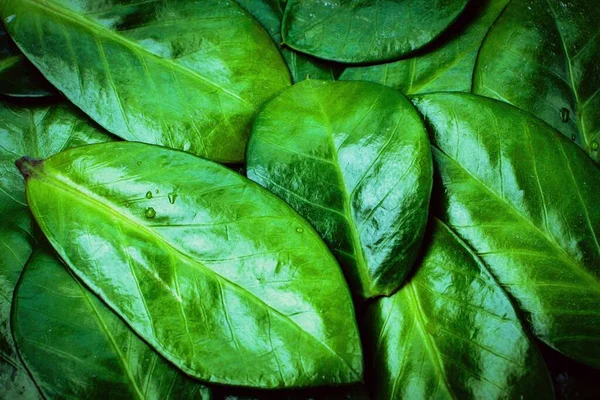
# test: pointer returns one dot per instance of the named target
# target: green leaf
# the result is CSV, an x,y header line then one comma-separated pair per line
x,y
354,159
542,56
219,276
40,131
447,64
186,75
526,200
17,76
356,31
269,13
451,333
76,347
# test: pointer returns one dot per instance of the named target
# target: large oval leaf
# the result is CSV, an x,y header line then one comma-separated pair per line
x,y
447,64
75,347
451,333
542,56
17,76
269,13
354,159
187,75
41,131
357,31
218,275
526,200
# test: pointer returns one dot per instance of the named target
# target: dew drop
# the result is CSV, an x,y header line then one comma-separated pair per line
x,y
172,197
431,328
148,194
124,349
150,212
139,163
299,230
564,115
595,145
156,191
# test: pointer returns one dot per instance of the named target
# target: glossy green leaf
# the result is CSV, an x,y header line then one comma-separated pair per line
x,y
354,159
219,276
451,333
18,77
526,200
356,31
40,131
187,75
447,64
542,56
269,13
75,347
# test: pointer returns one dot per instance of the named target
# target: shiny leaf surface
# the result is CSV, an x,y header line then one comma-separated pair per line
x,y
40,131
17,76
542,56
354,159
75,347
446,64
219,276
526,200
357,31
186,75
451,333
269,13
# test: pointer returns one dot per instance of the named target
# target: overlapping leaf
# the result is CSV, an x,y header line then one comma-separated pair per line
x,y
218,275
525,199
94,354
356,31
451,333
40,131
447,64
542,56
186,75
354,159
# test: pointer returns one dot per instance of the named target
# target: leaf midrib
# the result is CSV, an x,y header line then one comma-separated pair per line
x,y
82,196
90,25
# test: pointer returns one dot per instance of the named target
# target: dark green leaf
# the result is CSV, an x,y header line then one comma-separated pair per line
x,y
75,347
446,64
526,200
356,31
187,75
451,333
17,76
40,131
542,56
218,275
354,159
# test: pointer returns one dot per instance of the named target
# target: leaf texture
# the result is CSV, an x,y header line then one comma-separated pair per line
x,y
186,75
219,276
451,333
354,159
542,56
525,199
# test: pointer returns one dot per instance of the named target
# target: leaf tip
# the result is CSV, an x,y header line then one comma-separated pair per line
x,y
27,165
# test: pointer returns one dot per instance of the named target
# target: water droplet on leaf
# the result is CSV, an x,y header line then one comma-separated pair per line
x,y
124,349
148,194
564,115
139,163
172,197
431,328
150,212
595,145
299,230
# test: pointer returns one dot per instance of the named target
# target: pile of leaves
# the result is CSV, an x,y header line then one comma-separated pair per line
x,y
305,199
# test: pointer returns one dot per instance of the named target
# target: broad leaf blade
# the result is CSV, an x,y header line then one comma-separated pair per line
x,y
186,75
525,199
269,13
356,31
41,131
76,347
451,333
218,275
447,64
354,159
542,56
